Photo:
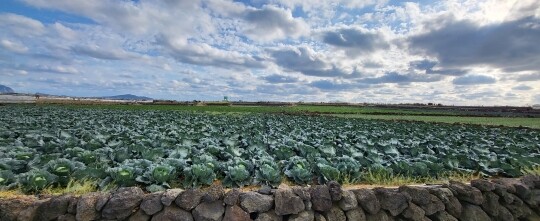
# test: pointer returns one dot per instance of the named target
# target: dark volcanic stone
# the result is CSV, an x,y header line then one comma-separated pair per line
x,y
286,202
507,183
348,201
434,205
419,195
491,204
318,217
213,193
413,212
335,214
122,203
151,203
269,216
467,193
392,200
265,189
253,202
504,214
483,185
451,203
505,196
66,217
139,216
231,197
473,213
335,190
209,211
367,200
515,186
532,181
303,216
86,206
235,213
169,196
302,192
54,208
10,208
189,199
172,213
380,216
442,216
30,213
72,206
320,198
356,214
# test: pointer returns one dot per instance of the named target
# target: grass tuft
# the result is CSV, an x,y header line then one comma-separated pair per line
x,y
534,170
11,193
385,178
73,187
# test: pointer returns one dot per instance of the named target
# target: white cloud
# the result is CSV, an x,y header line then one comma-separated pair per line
x,y
270,23
13,46
20,25
96,51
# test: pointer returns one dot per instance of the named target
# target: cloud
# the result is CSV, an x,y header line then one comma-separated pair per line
x,y
309,4
331,85
430,67
277,91
278,79
423,64
270,23
56,69
474,80
528,77
511,46
204,54
141,18
397,78
13,46
522,87
355,41
20,25
481,95
96,51
308,62
537,99
65,32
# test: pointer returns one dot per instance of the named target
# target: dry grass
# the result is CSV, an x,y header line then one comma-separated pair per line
x,y
534,170
74,188
11,193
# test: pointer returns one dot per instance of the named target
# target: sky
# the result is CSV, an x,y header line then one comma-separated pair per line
x,y
461,52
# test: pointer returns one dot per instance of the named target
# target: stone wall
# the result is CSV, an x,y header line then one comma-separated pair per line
x,y
499,199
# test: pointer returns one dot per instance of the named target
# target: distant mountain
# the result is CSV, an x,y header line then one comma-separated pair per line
x,y
5,89
127,97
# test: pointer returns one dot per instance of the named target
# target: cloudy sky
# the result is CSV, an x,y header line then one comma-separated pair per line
x,y
453,52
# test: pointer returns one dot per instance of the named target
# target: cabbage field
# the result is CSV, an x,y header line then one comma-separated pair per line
x,y
42,146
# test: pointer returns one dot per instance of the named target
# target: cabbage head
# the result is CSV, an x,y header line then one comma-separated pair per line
x,y
198,175
237,176
160,174
36,180
268,174
327,173
123,175
7,179
298,169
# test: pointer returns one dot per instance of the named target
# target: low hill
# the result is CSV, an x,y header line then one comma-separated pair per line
x,y
127,97
5,89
